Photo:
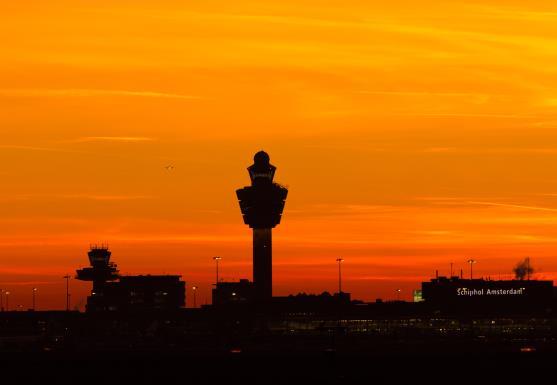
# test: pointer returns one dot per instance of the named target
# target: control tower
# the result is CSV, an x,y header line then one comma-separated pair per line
x,y
262,204
101,269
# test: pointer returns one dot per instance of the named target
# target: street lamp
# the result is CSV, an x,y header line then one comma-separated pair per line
x,y
339,260
217,259
34,298
194,288
471,262
7,301
67,278
398,294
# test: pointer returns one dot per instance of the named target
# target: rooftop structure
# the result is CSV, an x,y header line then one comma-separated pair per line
x,y
140,292
226,293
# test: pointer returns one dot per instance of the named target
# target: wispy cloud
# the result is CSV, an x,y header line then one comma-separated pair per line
x,y
469,115
440,149
552,102
468,201
107,197
503,150
35,271
86,92
477,98
26,283
93,197
130,139
341,209
392,278
515,206
515,13
545,124
472,38
38,148
180,238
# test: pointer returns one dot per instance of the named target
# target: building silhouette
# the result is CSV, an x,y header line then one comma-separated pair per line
x,y
262,205
486,295
141,318
227,293
113,292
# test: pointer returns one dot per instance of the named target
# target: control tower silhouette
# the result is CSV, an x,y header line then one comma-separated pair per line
x,y
261,205
101,269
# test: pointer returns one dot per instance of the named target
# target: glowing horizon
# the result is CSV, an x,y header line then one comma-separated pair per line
x,y
410,136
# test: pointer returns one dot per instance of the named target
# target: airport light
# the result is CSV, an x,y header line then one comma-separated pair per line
x,y
217,259
194,288
471,262
34,298
339,260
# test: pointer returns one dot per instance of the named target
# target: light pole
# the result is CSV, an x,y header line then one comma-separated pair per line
x,y
34,298
194,288
398,294
339,260
471,262
217,259
7,301
67,278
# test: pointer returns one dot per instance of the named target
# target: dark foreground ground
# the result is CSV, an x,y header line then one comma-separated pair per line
x,y
72,348
432,366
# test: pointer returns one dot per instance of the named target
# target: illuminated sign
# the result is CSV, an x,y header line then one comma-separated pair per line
x,y
267,175
418,296
466,292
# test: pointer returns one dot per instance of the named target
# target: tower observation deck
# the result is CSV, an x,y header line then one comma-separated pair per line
x,y
262,205
101,269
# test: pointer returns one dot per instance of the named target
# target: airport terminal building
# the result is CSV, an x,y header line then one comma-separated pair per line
x,y
485,295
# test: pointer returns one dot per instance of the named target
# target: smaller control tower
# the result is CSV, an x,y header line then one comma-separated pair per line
x,y
101,270
113,292
262,205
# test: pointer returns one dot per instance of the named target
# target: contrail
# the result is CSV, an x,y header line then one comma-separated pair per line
x,y
512,206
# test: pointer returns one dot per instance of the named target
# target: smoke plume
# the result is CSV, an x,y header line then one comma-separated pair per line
x,y
523,269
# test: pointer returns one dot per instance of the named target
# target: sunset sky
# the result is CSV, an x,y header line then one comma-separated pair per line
x,y
411,134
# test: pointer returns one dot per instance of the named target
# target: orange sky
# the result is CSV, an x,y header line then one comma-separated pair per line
x,y
410,134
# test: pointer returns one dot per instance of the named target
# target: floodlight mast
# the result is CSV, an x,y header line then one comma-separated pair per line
x,y
471,262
